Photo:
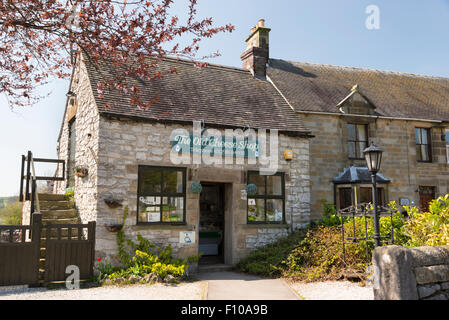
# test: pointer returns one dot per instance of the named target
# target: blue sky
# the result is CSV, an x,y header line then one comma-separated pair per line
x,y
413,37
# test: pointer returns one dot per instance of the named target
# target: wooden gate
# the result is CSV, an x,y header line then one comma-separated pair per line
x,y
19,258
65,245
69,245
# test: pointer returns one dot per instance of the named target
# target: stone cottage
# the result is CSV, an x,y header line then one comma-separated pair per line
x,y
406,115
129,155
326,115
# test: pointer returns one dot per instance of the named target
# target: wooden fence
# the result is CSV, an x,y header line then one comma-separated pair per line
x,y
63,245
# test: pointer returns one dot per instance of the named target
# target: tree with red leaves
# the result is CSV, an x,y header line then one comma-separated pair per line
x,y
41,39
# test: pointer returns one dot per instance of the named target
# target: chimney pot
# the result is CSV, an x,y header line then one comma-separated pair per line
x,y
253,30
261,23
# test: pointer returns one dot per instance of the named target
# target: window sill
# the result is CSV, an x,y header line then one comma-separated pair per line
x,y
265,226
156,226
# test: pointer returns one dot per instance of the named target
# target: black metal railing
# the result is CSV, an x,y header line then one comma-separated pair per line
x,y
31,179
364,211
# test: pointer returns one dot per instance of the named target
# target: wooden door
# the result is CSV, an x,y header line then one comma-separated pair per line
x,y
426,195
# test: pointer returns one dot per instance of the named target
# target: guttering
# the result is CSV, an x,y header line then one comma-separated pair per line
x,y
118,116
370,116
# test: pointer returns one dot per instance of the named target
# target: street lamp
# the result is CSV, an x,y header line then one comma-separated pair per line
x,y
373,157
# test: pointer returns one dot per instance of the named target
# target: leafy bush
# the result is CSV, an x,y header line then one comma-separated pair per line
x,y
70,193
319,257
329,216
142,259
269,260
429,228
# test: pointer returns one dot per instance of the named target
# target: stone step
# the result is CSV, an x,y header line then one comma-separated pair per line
x,y
56,205
214,268
42,263
52,197
58,214
73,220
64,233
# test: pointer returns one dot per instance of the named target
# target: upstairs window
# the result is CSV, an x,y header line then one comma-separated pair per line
x,y
423,145
357,140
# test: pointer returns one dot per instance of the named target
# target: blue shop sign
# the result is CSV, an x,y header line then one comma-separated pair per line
x,y
197,145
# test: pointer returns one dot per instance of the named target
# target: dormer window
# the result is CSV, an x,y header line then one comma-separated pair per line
x,y
357,140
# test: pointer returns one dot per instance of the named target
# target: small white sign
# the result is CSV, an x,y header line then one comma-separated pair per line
x,y
187,237
244,194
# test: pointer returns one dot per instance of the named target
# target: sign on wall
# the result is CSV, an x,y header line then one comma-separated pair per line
x,y
196,145
404,202
187,237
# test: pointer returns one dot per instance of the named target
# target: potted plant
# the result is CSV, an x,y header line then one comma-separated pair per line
x,y
80,171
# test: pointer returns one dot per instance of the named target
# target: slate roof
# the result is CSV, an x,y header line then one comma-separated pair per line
x,y
358,175
319,88
221,96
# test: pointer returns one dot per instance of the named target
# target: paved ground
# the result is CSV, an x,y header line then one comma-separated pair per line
x,y
236,286
211,286
333,290
185,291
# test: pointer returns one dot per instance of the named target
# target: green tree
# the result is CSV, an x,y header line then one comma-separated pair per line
x,y
11,214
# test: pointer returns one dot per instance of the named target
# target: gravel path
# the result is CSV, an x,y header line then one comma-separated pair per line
x,y
198,290
183,291
332,290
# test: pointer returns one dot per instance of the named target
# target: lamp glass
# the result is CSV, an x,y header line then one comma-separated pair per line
x,y
373,157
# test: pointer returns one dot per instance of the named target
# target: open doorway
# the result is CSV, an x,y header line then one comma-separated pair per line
x,y
212,223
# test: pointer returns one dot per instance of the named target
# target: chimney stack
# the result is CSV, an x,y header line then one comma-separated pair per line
x,y
257,53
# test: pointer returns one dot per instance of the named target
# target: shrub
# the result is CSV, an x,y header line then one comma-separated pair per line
x,y
269,260
70,193
429,228
319,257
142,258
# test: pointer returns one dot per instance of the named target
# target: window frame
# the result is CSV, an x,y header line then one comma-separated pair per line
x,y
429,145
163,194
446,139
266,197
357,141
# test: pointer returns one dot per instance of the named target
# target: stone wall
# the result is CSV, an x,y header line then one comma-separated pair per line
x,y
86,152
411,274
26,212
329,156
125,144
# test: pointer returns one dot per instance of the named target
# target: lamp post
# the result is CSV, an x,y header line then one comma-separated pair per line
x,y
373,157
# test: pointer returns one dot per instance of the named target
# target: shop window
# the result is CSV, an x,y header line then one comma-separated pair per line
x,y
423,145
357,140
268,206
161,195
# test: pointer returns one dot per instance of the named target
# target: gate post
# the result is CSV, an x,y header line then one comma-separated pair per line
x,y
36,229
91,238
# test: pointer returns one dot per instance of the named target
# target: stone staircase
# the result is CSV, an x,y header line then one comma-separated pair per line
x,y
55,209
